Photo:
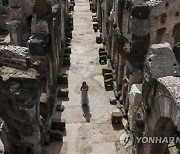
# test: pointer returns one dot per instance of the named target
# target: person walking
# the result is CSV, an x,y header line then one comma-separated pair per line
x,y
84,93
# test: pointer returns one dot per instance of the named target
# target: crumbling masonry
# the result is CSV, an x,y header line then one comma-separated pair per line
x,y
34,46
141,45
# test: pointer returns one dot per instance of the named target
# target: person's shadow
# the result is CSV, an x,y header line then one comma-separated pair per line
x,y
86,110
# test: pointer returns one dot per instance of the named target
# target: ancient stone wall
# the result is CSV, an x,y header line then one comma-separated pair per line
x,y
141,47
31,60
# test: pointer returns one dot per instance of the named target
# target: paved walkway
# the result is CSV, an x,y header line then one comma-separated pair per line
x,y
91,133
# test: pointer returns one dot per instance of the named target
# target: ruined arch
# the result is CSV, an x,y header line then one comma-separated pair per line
x,y
164,114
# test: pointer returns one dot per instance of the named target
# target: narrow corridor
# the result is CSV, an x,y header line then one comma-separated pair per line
x,y
96,136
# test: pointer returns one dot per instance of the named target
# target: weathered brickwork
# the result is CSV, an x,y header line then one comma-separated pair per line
x,y
141,47
34,43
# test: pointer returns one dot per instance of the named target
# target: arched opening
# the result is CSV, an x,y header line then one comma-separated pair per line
x,y
29,20
161,122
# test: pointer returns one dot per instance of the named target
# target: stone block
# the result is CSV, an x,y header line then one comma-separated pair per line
x,y
113,101
71,24
95,25
66,55
103,59
70,15
58,124
106,70
71,7
68,50
95,19
108,84
62,79
66,62
68,40
140,27
67,44
141,11
116,117
68,33
108,76
56,135
37,47
14,56
99,39
102,53
94,15
161,62
101,49
63,92
135,94
60,108
91,5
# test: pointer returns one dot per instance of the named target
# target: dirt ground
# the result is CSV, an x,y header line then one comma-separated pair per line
x,y
87,131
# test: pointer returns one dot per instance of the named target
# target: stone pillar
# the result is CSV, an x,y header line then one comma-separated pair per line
x,y
15,24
